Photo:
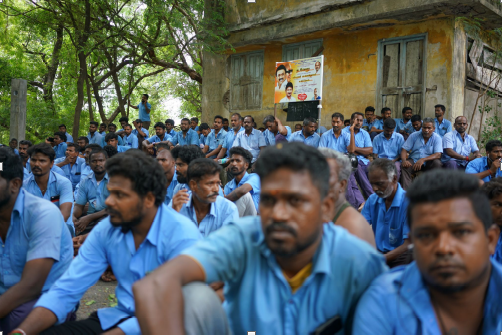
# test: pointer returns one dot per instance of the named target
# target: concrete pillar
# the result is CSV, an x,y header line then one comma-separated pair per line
x,y
214,86
18,109
458,73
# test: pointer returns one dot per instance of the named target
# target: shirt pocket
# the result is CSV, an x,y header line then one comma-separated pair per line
x,y
395,236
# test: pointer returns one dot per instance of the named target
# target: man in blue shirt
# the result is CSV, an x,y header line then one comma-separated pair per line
x,y
130,140
144,108
69,138
93,135
425,149
274,127
486,168
112,128
82,142
307,135
407,113
378,124
285,272
166,160
204,132
205,208
24,145
112,139
457,146
250,139
389,144
386,212
134,240
139,131
369,118
36,245
182,156
194,124
236,124
186,136
453,286
442,125
414,125
71,164
215,138
13,145
170,127
102,129
59,144
161,136
493,190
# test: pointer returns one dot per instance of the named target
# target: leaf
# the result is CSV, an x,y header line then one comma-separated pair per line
x,y
90,302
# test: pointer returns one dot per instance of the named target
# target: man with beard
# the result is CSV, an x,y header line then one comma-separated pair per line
x,y
205,208
36,245
62,128
59,144
385,210
244,185
425,149
93,135
452,287
307,135
71,164
236,123
47,184
407,113
215,139
457,146
442,126
82,142
24,145
285,272
166,160
161,136
250,139
130,140
139,131
186,136
493,190
486,168
389,144
13,145
133,240
274,127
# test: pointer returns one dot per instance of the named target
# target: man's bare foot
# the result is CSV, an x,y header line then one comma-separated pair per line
x,y
108,276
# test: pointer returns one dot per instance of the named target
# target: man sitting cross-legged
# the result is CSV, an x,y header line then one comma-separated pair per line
x,y
139,235
458,145
36,245
71,164
285,272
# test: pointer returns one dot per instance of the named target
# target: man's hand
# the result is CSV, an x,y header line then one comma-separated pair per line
x,y
406,164
418,165
77,243
47,141
82,223
477,155
180,199
495,166
352,127
360,209
114,331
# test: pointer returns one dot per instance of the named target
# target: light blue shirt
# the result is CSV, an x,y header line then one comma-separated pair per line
x,y
73,173
443,127
257,295
135,132
388,148
96,139
409,128
481,165
55,169
202,140
313,140
192,138
253,180
453,140
143,115
378,124
26,173
121,148
157,139
398,302
389,226
221,213
401,125
329,140
322,130
37,230
90,191
270,137
60,150
498,251
69,138
420,149
213,141
103,133
363,140
252,142
107,245
170,190
366,125
171,133
229,140
59,189
181,186
131,141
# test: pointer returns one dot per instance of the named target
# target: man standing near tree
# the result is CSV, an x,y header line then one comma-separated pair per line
x,y
144,110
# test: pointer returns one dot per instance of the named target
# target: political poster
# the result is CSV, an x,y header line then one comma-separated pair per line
x,y
299,80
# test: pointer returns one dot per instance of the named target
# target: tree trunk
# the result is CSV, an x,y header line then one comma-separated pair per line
x,y
80,93
89,99
53,68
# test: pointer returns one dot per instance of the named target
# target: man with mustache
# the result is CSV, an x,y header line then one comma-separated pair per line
x,y
205,208
442,126
385,210
493,190
486,168
183,155
285,271
389,144
186,136
113,140
24,145
414,125
94,136
59,144
250,139
71,164
453,287
166,160
274,127
457,146
307,135
139,235
280,74
377,127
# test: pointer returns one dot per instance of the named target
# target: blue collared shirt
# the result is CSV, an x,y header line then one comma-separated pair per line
x,y
481,165
202,140
107,245
443,127
389,226
121,148
55,169
60,150
498,251
157,139
313,140
367,125
69,138
171,133
131,141
363,140
73,173
90,191
420,149
388,148
409,128
143,115
192,138
257,295
229,140
321,130
102,133
252,142
213,141
378,124
464,147
398,302
170,189
270,137
181,186
221,213
37,230
401,125
135,132
329,140
96,139
59,189
253,180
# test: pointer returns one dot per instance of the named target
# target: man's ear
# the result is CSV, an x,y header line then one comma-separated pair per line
x,y
328,207
493,236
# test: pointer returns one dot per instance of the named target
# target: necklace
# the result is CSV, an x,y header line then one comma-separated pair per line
x,y
452,331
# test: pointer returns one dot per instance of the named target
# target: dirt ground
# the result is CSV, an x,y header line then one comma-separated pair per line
x,y
98,296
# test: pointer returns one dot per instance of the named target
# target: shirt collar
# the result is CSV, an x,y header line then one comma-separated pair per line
x,y
94,177
19,204
153,234
212,208
398,197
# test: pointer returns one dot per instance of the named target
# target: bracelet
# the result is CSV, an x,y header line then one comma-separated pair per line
x,y
466,158
17,331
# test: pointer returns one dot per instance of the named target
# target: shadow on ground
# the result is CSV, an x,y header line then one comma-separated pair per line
x,y
100,295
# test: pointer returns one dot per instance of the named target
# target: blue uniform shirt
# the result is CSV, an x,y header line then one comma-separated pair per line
x,y
222,212
329,140
135,132
229,140
398,302
378,124
363,140
59,189
390,226
443,127
90,191
419,149
156,139
131,141
169,234
388,148
60,150
453,140
257,295
69,138
313,140
253,180
143,115
408,128
192,138
270,137
498,251
96,139
171,133
252,142
170,189
481,165
37,230
73,173
121,148
213,141
367,125
202,140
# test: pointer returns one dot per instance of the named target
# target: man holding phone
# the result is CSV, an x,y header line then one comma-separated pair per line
x,y
486,168
144,110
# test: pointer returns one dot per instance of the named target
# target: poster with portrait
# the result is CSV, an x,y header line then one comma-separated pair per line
x,y
299,80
